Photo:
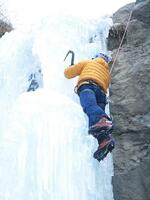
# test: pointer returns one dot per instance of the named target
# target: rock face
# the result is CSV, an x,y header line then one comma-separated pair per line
x,y
130,102
4,26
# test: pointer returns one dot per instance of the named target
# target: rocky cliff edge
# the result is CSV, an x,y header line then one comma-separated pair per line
x,y
130,101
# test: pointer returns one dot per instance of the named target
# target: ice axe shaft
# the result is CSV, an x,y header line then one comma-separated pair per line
x,y
72,56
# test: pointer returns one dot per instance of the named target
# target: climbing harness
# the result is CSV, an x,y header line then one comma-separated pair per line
x,y
119,48
83,83
72,56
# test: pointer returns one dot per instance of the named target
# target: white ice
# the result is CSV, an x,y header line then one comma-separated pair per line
x,y
45,150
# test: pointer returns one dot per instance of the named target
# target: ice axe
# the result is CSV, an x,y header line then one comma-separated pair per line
x,y
72,56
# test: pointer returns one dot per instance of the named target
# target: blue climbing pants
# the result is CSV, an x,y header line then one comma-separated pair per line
x,y
93,102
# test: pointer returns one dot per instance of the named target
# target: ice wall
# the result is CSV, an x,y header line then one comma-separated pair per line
x,y
45,151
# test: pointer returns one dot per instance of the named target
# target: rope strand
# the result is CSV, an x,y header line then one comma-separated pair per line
x,y
129,19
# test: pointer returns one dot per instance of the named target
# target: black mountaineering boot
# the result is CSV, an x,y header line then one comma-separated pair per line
x,y
106,146
101,129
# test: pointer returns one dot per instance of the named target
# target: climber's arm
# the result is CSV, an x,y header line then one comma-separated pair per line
x,y
74,70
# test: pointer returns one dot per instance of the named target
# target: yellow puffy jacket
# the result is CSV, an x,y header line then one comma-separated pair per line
x,y
96,70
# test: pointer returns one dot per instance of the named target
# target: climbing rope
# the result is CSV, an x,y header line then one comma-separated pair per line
x,y
119,48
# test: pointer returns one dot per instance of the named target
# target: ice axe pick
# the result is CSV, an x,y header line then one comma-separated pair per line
x,y
72,56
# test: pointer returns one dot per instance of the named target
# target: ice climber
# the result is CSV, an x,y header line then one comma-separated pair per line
x,y
92,85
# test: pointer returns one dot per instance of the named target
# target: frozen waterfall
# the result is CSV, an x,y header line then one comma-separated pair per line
x,y
45,150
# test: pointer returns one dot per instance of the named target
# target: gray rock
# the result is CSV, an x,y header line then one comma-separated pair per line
x,y
135,185
141,12
139,1
116,33
4,27
130,102
122,15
